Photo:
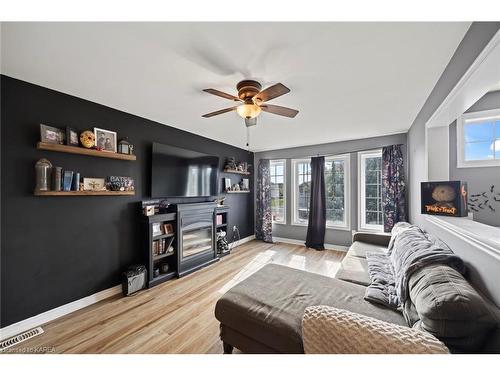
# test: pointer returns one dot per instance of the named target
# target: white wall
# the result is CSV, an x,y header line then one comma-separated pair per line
x,y
332,236
478,36
438,153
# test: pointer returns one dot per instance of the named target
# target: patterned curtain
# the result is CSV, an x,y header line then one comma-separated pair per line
x,y
263,220
393,186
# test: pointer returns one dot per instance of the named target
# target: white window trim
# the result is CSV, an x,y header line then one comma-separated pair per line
x,y
284,192
346,158
493,114
361,192
295,191
347,190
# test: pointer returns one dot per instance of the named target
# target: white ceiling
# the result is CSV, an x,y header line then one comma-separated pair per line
x,y
349,80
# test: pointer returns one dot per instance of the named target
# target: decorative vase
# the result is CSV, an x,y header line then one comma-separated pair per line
x,y
42,168
76,182
56,178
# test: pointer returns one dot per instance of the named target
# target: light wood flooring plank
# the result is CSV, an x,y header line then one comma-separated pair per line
x,y
177,316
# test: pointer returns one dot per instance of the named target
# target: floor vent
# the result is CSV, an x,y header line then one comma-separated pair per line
x,y
6,344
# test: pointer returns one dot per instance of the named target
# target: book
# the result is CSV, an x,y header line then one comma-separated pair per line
x,y
67,180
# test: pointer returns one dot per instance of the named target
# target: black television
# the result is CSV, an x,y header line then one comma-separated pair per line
x,y
179,172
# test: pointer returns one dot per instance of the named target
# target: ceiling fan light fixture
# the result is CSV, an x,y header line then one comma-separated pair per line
x,y
248,110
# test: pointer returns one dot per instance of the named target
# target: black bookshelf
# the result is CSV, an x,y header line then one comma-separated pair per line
x,y
222,224
158,246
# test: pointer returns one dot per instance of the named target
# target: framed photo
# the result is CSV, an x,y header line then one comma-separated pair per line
x,y
227,184
94,184
157,229
71,137
49,134
245,184
168,228
105,140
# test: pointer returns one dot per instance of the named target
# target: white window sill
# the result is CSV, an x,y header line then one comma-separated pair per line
x,y
300,224
331,227
338,227
279,223
371,230
478,163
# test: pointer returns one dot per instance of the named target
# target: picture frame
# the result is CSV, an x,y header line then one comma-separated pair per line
x,y
105,140
227,184
245,184
50,134
168,228
157,229
94,184
72,137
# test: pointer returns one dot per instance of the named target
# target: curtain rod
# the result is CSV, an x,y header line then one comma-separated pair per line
x,y
348,152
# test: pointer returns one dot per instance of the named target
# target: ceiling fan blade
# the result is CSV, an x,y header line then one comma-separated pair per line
x,y
223,94
279,110
271,92
250,121
219,112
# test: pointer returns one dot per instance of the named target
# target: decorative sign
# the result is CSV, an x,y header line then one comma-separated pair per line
x,y
446,198
118,183
93,184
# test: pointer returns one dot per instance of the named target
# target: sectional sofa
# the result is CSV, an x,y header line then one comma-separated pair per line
x,y
272,310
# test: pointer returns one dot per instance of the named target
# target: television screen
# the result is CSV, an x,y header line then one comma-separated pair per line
x,y
179,172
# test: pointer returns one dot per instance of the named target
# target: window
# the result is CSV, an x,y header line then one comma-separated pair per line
x,y
336,185
370,190
302,190
478,139
278,191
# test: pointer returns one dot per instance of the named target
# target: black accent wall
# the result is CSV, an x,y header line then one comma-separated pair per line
x,y
56,250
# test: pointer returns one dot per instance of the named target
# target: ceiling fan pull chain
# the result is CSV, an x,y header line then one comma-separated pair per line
x,y
248,138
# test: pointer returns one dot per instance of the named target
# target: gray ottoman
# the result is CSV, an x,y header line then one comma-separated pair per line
x,y
263,313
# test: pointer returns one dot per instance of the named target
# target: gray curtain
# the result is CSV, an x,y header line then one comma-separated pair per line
x,y
263,220
317,205
393,186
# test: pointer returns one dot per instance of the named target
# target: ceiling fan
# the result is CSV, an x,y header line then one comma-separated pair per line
x,y
253,100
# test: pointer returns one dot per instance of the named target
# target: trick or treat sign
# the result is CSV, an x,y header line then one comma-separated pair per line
x,y
447,198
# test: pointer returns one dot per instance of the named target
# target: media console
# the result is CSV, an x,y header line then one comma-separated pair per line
x,y
189,244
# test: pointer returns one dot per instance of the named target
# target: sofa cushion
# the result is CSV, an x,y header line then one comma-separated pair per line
x,y
450,308
268,306
354,270
359,249
379,239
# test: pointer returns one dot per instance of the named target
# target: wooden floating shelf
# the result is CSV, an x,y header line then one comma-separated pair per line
x,y
81,193
236,172
160,236
238,191
83,151
158,257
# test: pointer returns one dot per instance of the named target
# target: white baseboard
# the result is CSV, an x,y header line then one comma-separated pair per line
x,y
242,241
299,242
47,316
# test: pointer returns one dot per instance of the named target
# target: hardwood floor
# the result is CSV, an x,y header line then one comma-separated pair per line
x,y
177,316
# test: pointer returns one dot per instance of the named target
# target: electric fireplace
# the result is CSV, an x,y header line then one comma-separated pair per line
x,y
196,236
